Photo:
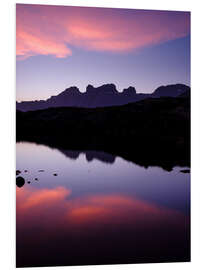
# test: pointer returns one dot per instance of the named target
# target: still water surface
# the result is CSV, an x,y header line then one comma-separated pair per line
x,y
98,209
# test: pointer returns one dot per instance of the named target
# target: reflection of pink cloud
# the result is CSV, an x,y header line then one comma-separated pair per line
x,y
46,196
44,206
54,206
50,30
49,221
53,226
120,209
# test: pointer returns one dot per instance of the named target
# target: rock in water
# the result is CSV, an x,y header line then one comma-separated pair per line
x,y
185,171
20,181
18,172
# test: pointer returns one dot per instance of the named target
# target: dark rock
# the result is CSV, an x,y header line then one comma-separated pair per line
x,y
55,174
28,182
20,181
185,171
36,179
18,172
25,170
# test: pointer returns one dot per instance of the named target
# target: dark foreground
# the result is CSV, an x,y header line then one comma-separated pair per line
x,y
148,132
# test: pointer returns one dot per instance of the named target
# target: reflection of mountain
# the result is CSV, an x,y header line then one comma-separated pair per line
x,y
70,154
153,131
105,157
90,155
105,95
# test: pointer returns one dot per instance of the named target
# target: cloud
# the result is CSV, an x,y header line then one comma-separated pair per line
x,y
52,30
29,45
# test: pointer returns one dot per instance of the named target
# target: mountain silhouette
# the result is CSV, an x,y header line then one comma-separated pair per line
x,y
151,132
102,96
173,90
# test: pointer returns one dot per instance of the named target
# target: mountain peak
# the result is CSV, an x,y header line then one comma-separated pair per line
x,y
129,91
171,90
105,88
71,90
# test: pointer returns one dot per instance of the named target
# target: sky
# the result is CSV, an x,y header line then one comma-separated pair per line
x,y
62,46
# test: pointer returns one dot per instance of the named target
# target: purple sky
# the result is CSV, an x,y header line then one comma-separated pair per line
x,y
58,47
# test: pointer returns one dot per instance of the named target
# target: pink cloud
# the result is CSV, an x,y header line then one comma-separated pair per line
x,y
51,30
28,45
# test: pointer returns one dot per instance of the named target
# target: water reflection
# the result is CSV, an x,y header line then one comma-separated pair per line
x,y
90,155
93,213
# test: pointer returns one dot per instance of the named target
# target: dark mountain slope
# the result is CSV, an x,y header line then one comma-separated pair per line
x,y
153,131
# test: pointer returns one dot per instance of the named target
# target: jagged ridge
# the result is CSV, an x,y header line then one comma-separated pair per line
x,y
102,96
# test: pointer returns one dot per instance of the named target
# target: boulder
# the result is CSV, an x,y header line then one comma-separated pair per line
x,y
18,172
185,171
20,181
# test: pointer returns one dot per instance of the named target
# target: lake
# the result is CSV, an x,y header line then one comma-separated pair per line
x,y
89,207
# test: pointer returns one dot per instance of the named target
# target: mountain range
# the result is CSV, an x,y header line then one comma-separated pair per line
x,y
102,96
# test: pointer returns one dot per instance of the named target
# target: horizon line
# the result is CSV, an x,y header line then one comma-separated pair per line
x,y
119,92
